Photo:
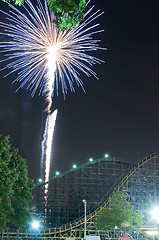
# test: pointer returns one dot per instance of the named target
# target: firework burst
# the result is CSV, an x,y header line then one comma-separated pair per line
x,y
45,57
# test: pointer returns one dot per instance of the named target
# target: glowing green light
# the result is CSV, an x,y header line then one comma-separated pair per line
x,y
106,155
57,173
40,180
74,166
91,159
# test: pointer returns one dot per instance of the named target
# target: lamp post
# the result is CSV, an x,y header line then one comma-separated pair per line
x,y
85,205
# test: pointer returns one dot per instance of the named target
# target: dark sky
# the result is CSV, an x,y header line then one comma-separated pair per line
x,y
119,114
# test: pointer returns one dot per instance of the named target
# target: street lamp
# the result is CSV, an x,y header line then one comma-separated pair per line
x,y
85,205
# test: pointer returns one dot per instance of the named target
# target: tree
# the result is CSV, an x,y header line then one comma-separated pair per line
x,y
67,12
15,186
120,210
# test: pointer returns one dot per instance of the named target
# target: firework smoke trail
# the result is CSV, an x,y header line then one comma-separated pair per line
x,y
45,57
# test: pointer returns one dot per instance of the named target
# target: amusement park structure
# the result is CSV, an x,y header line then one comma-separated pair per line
x,y
96,181
93,181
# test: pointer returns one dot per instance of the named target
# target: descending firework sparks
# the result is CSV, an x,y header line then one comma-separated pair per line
x,y
47,145
45,56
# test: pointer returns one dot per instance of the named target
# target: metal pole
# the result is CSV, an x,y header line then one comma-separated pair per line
x,y
85,214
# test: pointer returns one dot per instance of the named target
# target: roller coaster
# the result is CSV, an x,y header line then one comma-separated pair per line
x,y
96,181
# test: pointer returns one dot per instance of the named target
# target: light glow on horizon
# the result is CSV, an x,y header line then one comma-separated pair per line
x,y
155,214
35,224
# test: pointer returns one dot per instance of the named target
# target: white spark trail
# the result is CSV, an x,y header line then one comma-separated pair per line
x,y
47,147
51,70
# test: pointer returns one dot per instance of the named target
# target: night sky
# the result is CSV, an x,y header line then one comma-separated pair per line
x,y
119,114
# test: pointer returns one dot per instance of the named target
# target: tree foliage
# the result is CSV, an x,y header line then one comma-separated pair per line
x,y
15,186
16,2
67,12
120,210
